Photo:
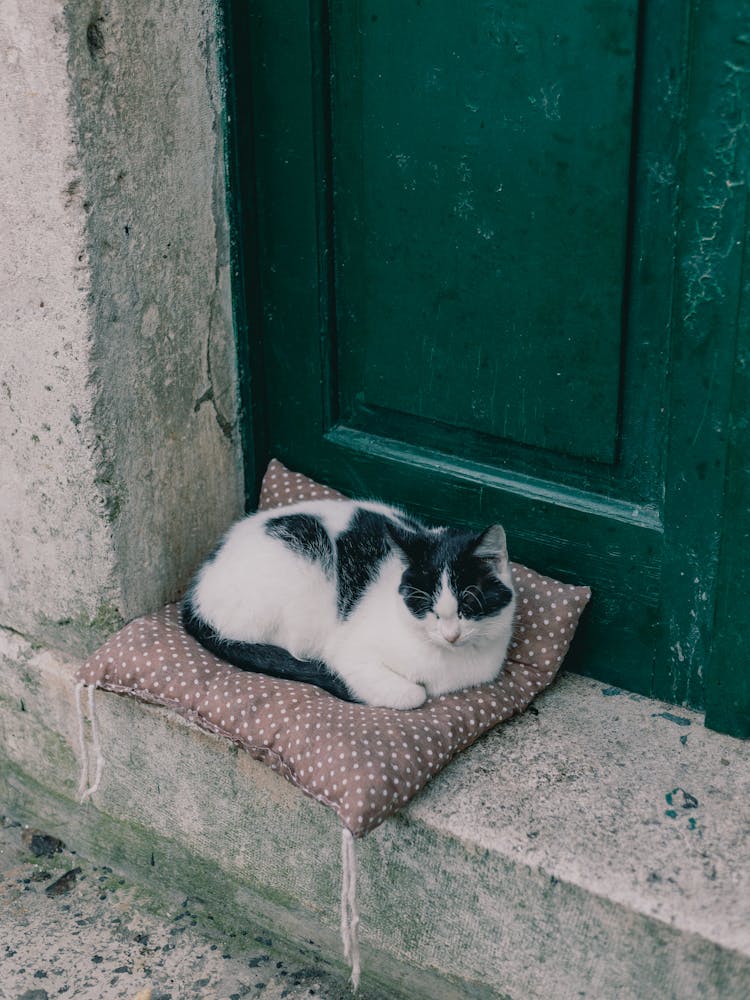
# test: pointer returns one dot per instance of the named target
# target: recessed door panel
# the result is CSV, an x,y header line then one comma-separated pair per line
x,y
480,161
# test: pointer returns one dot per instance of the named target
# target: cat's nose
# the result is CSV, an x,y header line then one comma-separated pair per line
x,y
452,634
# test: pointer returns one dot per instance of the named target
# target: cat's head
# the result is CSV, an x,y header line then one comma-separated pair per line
x,y
457,584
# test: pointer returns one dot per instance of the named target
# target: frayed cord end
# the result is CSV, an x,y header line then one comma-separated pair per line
x,y
83,755
349,910
85,792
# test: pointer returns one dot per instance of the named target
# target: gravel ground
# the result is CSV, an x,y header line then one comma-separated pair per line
x,y
71,929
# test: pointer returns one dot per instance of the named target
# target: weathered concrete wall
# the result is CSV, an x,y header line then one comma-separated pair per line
x,y
121,459
55,547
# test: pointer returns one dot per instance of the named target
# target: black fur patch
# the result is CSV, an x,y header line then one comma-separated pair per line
x,y
306,535
420,582
262,658
419,591
359,552
477,589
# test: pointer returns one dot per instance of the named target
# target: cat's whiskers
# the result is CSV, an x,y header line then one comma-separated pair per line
x,y
413,593
475,595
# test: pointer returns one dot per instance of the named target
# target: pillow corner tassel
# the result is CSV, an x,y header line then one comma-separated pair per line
x,y
85,792
349,910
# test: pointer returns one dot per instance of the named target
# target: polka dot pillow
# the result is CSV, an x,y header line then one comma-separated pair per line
x,y
364,763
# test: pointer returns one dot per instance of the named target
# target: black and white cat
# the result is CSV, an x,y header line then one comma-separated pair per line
x,y
358,598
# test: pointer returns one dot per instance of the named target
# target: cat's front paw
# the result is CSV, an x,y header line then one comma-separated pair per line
x,y
402,696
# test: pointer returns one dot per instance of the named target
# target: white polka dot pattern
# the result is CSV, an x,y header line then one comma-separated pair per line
x,y
363,762
281,487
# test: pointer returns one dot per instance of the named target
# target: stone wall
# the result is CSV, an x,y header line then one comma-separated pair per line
x,y
120,448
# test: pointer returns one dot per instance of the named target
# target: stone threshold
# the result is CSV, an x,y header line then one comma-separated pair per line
x,y
596,847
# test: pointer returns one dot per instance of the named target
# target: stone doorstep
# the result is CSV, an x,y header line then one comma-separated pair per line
x,y
597,847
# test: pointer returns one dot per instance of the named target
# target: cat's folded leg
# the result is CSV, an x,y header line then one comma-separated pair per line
x,y
375,684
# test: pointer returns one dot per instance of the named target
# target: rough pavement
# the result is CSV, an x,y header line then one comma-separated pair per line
x,y
71,929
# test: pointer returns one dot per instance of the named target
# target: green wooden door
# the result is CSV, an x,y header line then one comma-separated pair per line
x,y
463,228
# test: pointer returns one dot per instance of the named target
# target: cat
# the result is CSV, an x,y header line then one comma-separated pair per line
x,y
358,598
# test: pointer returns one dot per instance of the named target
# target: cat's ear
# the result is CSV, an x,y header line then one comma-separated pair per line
x,y
405,543
492,545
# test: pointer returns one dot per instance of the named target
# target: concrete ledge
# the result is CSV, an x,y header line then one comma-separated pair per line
x,y
598,849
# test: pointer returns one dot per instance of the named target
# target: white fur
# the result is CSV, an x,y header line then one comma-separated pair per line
x,y
258,590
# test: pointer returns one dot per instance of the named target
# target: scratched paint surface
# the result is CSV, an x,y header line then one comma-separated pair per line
x,y
481,196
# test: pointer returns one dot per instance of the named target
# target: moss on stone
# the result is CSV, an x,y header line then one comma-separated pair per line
x,y
83,632
30,681
107,619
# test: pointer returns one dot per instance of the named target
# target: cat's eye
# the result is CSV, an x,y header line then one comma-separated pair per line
x,y
472,604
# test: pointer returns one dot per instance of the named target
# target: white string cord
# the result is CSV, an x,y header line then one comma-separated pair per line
x,y
84,792
96,744
349,910
81,744
346,931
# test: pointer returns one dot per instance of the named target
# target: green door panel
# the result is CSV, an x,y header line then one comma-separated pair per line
x,y
480,205
468,280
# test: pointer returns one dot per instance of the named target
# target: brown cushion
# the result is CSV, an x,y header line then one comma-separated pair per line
x,y
363,762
